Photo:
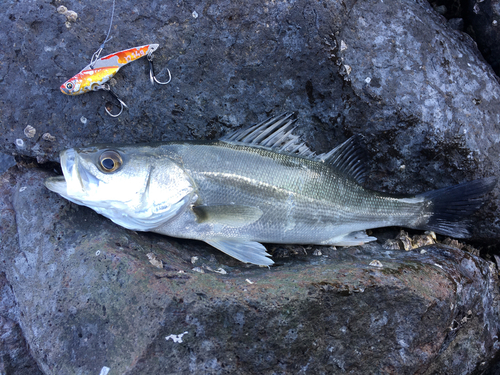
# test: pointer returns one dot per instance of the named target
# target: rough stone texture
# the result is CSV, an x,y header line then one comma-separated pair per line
x,y
483,20
84,293
88,297
443,99
15,357
6,161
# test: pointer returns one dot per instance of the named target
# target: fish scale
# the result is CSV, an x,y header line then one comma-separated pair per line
x,y
325,204
253,186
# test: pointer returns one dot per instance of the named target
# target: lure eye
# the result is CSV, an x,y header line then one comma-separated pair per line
x,y
110,161
69,86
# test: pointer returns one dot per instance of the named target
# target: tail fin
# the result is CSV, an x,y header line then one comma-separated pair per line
x,y
452,206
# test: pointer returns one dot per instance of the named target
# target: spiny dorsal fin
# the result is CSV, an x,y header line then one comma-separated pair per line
x,y
348,158
275,133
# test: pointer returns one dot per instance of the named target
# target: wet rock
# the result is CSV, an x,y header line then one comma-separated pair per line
x,y
89,298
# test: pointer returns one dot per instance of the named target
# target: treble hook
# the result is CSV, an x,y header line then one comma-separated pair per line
x,y
152,77
106,87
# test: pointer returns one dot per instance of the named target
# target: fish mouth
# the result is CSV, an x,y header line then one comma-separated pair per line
x,y
56,184
76,180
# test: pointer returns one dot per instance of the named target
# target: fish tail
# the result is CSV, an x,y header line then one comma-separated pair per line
x,y
452,206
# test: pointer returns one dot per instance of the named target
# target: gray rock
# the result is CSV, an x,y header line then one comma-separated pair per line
x,y
484,25
15,357
91,294
6,161
456,24
87,293
440,121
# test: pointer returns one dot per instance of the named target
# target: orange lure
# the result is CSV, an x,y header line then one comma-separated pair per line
x,y
93,76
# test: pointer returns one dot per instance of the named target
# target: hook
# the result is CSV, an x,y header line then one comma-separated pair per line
x,y
122,104
152,77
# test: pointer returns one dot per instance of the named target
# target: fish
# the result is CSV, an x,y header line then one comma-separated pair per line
x,y
96,74
256,185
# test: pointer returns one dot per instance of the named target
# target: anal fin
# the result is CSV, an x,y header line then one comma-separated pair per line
x,y
350,239
245,251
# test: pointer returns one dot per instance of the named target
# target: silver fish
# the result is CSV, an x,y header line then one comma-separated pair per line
x,y
260,184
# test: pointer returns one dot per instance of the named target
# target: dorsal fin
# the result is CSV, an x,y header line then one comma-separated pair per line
x,y
275,133
348,158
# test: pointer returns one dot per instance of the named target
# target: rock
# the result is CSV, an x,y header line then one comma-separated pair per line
x,y
419,72
456,24
15,357
421,95
6,161
89,298
483,19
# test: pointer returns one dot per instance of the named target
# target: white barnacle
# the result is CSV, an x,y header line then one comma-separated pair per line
x,y
29,131
376,263
48,137
71,16
154,260
19,143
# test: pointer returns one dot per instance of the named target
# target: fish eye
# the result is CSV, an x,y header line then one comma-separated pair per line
x,y
110,161
69,86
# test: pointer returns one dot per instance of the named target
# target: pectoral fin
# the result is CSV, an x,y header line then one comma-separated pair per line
x,y
245,251
350,239
230,215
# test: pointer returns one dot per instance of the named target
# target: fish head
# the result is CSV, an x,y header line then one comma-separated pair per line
x,y
130,185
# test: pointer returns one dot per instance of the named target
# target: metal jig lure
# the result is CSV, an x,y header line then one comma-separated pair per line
x,y
96,75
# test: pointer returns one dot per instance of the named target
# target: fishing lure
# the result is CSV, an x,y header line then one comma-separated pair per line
x,y
96,75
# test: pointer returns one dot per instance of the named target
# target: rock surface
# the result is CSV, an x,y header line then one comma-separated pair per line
x,y
91,294
6,161
80,294
483,19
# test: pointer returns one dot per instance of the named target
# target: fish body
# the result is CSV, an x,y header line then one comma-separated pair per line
x,y
258,185
95,75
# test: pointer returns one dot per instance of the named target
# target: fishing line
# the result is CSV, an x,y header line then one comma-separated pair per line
x,y
97,53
